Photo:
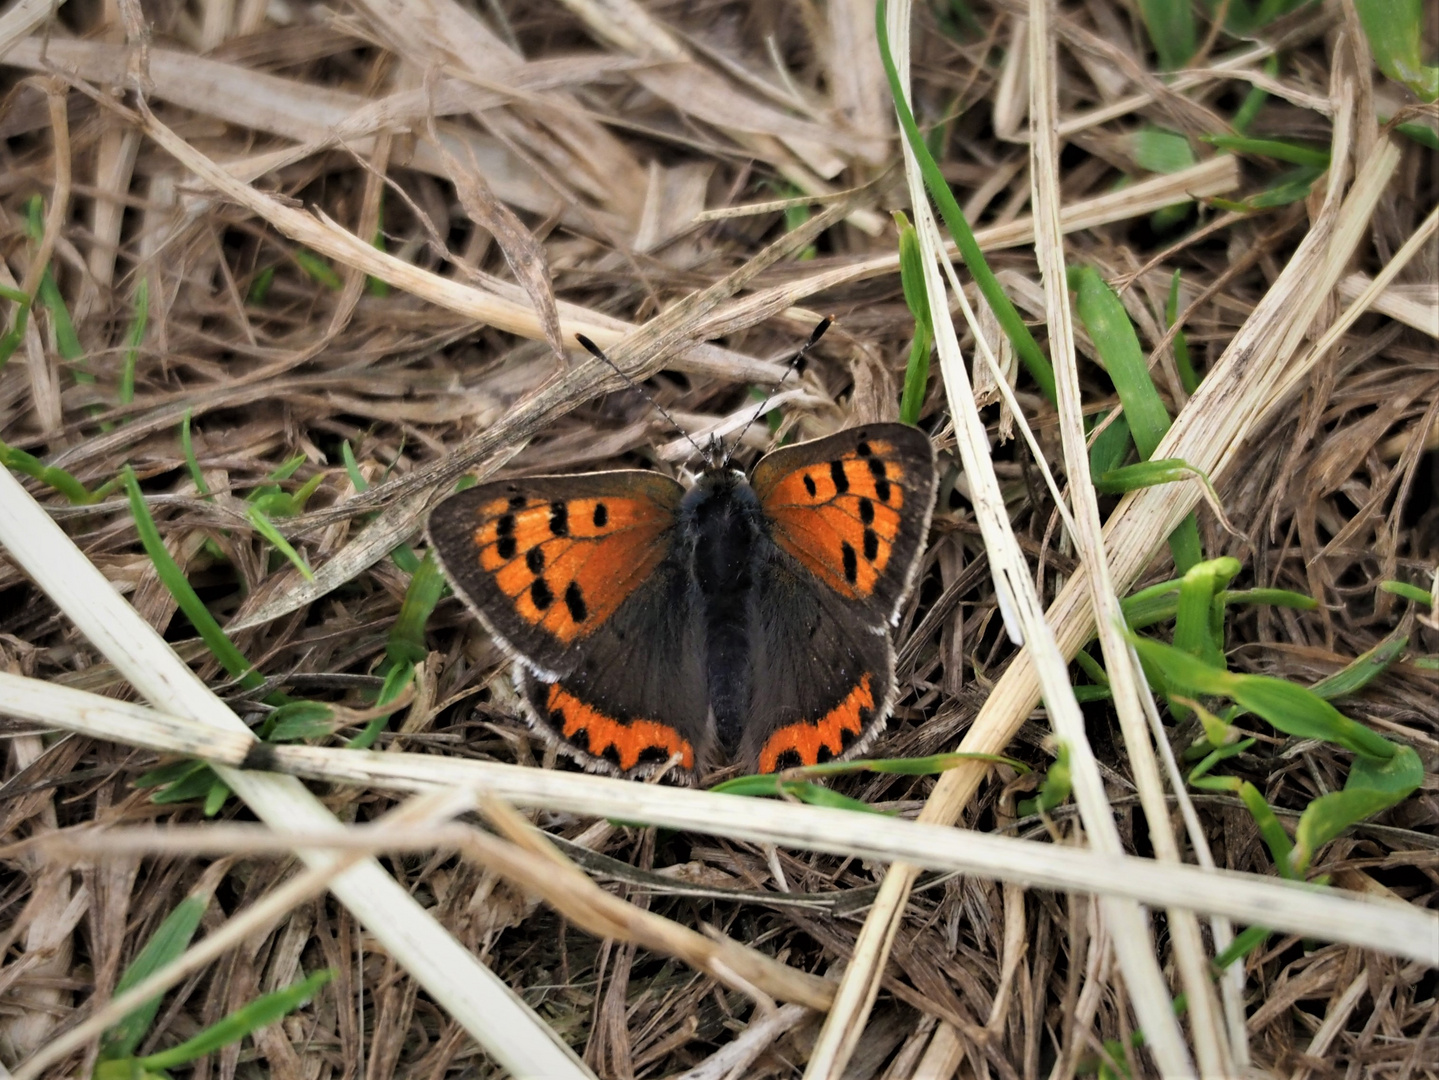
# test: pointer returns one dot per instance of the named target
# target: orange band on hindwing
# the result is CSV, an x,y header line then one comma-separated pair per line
x,y
623,743
813,742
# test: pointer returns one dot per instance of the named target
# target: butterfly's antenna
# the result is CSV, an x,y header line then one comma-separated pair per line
x,y
595,351
796,364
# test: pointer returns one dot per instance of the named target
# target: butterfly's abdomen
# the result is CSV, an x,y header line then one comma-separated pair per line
x,y
723,514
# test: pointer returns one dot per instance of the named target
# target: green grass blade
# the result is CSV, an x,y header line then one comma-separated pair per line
x,y
1255,99
63,482
170,939
133,341
1271,831
911,277
1171,29
1395,29
192,463
1408,592
298,720
1104,317
1187,375
407,637
1278,149
243,1021
1034,360
317,269
266,528
404,556
1158,151
173,578
1371,788
1363,669
1292,709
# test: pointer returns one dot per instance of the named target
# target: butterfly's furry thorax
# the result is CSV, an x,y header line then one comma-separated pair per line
x,y
722,526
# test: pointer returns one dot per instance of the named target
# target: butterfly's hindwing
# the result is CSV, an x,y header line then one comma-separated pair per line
x,y
820,681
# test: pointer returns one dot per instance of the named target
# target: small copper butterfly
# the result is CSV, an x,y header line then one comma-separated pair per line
x,y
737,619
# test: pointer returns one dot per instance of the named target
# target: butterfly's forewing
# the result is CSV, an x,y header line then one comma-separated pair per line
x,y
847,517
577,577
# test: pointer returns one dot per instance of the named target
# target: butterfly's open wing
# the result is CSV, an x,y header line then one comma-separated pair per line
x,y
847,518
577,577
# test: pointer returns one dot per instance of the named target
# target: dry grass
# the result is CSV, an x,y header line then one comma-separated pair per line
x,y
624,171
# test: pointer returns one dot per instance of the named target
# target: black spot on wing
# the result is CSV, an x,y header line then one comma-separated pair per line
x,y
881,488
863,449
851,564
602,515
836,473
866,511
535,559
788,759
575,601
517,501
559,519
871,545
505,547
809,485
540,594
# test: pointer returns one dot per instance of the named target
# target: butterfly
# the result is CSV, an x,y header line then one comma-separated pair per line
x,y
742,619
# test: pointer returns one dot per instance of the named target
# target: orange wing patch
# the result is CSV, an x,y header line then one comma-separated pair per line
x,y
568,564
623,743
840,518
812,742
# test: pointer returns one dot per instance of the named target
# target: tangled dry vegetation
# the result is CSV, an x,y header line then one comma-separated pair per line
x,y
380,224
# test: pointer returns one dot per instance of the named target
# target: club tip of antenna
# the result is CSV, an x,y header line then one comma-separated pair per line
x,y
588,345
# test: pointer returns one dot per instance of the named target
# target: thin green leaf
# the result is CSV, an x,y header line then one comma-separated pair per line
x,y
407,636
76,493
1244,943
297,720
243,1021
1255,99
1104,317
1110,447
317,269
1408,592
1278,149
396,679
1371,788
1171,29
911,276
173,578
266,528
1363,669
170,939
133,341
1271,831
215,797
260,287
1291,187
192,463
1159,151
1395,29
773,785
1034,360
1290,708
1188,377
